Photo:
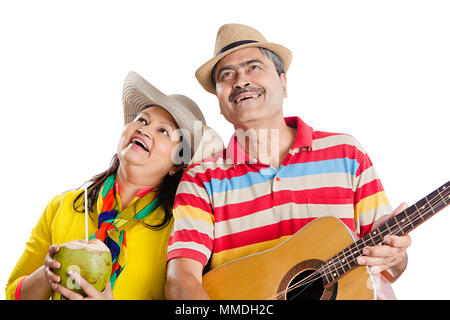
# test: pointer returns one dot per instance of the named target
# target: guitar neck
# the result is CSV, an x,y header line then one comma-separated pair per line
x,y
399,225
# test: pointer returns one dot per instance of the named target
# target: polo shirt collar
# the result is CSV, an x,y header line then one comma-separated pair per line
x,y
303,140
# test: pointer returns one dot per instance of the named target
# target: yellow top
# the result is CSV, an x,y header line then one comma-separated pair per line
x,y
142,278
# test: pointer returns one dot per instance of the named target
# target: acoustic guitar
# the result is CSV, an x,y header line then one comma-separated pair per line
x,y
317,262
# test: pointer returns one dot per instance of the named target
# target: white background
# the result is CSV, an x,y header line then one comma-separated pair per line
x,y
379,70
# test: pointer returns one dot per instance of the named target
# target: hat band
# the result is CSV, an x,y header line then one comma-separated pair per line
x,y
234,45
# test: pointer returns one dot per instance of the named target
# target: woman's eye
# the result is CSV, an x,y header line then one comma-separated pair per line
x,y
164,131
140,119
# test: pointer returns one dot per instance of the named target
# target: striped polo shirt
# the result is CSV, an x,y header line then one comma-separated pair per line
x,y
230,206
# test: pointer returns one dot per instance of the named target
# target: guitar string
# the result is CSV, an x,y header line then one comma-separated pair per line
x,y
303,289
412,218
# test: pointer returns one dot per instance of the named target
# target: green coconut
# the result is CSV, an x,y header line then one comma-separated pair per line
x,y
91,259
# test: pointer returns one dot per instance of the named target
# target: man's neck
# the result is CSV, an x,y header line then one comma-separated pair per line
x,y
269,142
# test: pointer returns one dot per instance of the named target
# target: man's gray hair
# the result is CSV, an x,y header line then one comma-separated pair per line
x,y
275,59
279,67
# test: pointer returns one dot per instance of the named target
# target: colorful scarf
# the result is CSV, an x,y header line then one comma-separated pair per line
x,y
113,222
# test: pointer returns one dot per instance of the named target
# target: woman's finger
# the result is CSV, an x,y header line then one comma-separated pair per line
x,y
49,259
69,294
107,293
84,284
51,276
50,263
52,250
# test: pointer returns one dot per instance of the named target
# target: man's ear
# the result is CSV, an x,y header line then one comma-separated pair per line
x,y
283,79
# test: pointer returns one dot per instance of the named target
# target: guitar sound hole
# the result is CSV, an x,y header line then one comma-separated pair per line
x,y
304,289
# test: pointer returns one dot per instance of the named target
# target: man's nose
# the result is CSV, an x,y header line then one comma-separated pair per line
x,y
241,82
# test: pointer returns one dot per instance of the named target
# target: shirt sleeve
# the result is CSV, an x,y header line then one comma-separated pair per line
x,y
193,231
35,251
370,202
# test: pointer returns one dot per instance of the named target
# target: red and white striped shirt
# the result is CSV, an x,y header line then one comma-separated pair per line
x,y
230,206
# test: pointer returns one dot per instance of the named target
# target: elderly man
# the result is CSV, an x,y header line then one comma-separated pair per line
x,y
276,175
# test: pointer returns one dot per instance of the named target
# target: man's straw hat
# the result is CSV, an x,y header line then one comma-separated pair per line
x,y
233,37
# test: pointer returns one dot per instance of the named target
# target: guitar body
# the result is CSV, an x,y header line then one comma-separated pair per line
x,y
267,274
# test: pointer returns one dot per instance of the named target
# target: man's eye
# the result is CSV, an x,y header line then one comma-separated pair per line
x,y
226,75
254,67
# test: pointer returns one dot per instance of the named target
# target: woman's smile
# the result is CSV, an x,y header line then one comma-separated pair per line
x,y
139,144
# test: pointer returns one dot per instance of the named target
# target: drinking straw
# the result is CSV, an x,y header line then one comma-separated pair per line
x,y
85,213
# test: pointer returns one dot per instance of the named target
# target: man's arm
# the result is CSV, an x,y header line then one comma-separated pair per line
x,y
184,280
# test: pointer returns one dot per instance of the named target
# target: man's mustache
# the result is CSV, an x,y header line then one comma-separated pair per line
x,y
238,91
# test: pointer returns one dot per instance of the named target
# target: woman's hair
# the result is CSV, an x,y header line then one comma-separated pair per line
x,y
167,192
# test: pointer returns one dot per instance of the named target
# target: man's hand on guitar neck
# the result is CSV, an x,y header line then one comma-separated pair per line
x,y
390,256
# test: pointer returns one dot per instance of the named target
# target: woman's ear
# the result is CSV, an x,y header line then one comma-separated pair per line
x,y
176,168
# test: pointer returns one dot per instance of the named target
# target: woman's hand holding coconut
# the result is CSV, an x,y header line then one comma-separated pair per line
x,y
84,270
91,292
50,264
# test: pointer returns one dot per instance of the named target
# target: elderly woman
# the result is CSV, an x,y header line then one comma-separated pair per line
x,y
139,187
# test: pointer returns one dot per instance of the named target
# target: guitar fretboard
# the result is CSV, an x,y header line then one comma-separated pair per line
x,y
399,225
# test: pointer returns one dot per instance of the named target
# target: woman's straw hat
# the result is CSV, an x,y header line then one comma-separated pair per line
x,y
138,94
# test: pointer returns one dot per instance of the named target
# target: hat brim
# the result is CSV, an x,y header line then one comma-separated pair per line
x,y
203,74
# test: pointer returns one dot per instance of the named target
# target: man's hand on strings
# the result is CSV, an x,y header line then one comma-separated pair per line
x,y
392,254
